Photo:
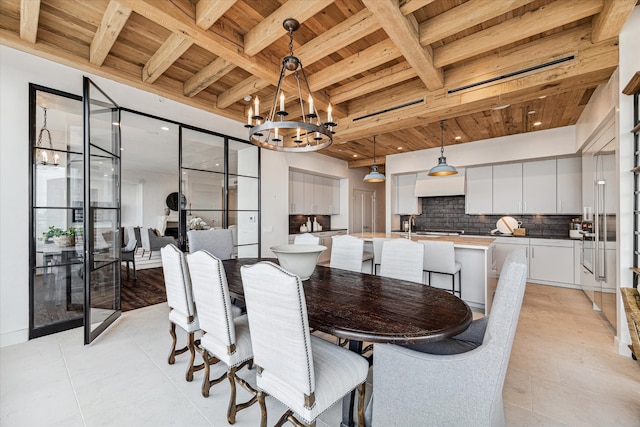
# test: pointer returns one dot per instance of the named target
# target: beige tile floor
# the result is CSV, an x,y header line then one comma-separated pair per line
x,y
563,371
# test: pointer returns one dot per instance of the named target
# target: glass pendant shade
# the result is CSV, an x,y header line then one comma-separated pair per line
x,y
374,175
442,168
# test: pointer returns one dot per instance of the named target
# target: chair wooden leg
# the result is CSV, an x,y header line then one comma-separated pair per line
x,y
263,409
172,332
361,390
150,253
208,360
231,411
192,350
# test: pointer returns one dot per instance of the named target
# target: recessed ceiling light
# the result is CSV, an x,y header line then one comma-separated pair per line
x,y
537,123
399,148
458,138
247,98
164,128
355,155
115,123
217,164
542,97
121,148
532,112
501,107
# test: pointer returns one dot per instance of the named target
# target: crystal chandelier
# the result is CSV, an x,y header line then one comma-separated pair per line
x,y
275,133
44,155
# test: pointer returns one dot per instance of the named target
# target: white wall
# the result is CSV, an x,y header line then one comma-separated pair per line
x,y
17,70
155,189
275,192
629,65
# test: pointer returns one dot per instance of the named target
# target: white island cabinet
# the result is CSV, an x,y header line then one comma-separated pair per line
x,y
551,260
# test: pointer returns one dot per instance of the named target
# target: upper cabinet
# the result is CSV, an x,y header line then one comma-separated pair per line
x,y
507,188
479,190
539,187
406,201
569,185
313,194
536,187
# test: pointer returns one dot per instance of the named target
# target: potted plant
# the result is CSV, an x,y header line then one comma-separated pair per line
x,y
60,237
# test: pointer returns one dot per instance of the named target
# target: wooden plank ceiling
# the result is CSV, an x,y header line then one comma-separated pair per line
x,y
490,68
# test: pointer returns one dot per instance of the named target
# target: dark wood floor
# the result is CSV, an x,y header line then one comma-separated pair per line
x,y
147,290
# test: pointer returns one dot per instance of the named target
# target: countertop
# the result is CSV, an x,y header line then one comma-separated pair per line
x,y
321,231
459,241
528,236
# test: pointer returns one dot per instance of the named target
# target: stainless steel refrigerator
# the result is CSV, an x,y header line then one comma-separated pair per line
x,y
605,197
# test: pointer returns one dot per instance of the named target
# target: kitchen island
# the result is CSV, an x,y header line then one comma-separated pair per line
x,y
479,278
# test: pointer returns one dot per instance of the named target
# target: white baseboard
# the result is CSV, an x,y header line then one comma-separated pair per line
x,y
14,337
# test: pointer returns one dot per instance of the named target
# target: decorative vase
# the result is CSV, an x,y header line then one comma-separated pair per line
x,y
64,241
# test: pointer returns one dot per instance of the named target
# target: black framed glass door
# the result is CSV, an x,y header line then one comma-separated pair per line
x,y
102,204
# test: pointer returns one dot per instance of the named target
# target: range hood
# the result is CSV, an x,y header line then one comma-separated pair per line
x,y
430,186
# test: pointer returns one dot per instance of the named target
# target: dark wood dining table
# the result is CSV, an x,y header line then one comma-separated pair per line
x,y
366,308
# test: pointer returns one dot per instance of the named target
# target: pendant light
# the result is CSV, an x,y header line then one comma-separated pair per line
x,y
44,153
374,175
442,168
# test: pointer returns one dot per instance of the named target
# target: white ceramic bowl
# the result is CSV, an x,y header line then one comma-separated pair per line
x,y
298,259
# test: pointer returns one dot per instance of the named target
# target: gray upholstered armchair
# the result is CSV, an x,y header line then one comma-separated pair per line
x,y
218,242
152,242
456,382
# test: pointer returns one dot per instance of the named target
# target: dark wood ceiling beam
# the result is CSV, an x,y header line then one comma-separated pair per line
x,y
403,32
209,11
532,23
271,29
467,15
112,23
610,21
593,66
29,16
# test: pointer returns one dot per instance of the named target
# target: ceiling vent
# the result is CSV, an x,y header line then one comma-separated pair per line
x,y
386,110
512,74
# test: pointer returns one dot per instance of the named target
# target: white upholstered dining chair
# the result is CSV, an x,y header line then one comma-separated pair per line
x,y
180,300
347,253
304,372
377,252
402,259
224,336
440,258
306,239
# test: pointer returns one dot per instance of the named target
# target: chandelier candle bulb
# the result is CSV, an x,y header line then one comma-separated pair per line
x,y
310,106
329,116
256,103
281,101
298,134
249,115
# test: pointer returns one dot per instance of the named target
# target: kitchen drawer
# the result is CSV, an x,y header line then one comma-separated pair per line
x,y
551,242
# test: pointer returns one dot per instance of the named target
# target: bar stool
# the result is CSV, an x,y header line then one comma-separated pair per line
x,y
439,257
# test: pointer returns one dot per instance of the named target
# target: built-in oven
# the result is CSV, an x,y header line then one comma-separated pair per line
x,y
587,257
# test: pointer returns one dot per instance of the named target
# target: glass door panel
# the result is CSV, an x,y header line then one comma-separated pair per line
x,y
102,202
55,288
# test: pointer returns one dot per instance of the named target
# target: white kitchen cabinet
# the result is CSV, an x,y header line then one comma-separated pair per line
x,y
507,188
310,205
539,187
569,185
504,245
479,192
551,260
577,266
296,193
313,194
406,201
